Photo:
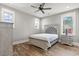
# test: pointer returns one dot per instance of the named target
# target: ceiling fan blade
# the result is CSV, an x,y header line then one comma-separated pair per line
x,y
34,6
42,11
47,8
37,10
42,5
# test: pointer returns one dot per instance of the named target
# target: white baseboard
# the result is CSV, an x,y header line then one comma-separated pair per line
x,y
20,41
75,43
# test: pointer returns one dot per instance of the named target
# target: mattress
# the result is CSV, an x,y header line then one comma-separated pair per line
x,y
45,37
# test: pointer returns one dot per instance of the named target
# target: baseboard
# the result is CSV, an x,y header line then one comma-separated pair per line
x,y
75,43
20,41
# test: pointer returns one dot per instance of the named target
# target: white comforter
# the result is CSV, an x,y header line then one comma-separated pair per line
x,y
46,37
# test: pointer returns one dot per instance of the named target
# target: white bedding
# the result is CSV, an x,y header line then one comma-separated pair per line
x,y
44,36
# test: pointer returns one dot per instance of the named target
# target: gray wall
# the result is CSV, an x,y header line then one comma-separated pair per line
x,y
50,20
55,19
24,25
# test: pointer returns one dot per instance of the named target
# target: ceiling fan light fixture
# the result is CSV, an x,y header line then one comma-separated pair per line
x,y
41,8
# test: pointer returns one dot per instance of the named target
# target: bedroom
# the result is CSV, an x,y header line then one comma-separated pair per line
x,y
28,27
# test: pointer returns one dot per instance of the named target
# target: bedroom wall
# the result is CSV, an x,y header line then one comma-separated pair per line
x,y
50,20
55,19
24,25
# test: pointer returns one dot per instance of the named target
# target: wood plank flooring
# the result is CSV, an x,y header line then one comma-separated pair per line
x,y
58,49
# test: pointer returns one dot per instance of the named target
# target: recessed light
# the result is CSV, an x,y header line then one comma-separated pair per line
x,y
67,7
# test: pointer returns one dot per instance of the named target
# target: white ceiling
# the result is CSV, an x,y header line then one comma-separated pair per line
x,y
56,8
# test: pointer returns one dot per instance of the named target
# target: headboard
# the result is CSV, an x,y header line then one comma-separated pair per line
x,y
51,29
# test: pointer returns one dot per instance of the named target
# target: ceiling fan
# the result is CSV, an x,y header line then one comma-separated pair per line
x,y
41,8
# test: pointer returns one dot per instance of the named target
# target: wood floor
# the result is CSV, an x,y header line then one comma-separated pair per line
x,y
58,49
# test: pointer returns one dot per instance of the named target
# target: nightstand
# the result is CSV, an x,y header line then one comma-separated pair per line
x,y
66,39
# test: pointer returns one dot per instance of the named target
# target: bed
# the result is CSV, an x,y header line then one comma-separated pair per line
x,y
46,39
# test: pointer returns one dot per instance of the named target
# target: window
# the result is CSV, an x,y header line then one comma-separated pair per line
x,y
68,24
7,16
36,25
